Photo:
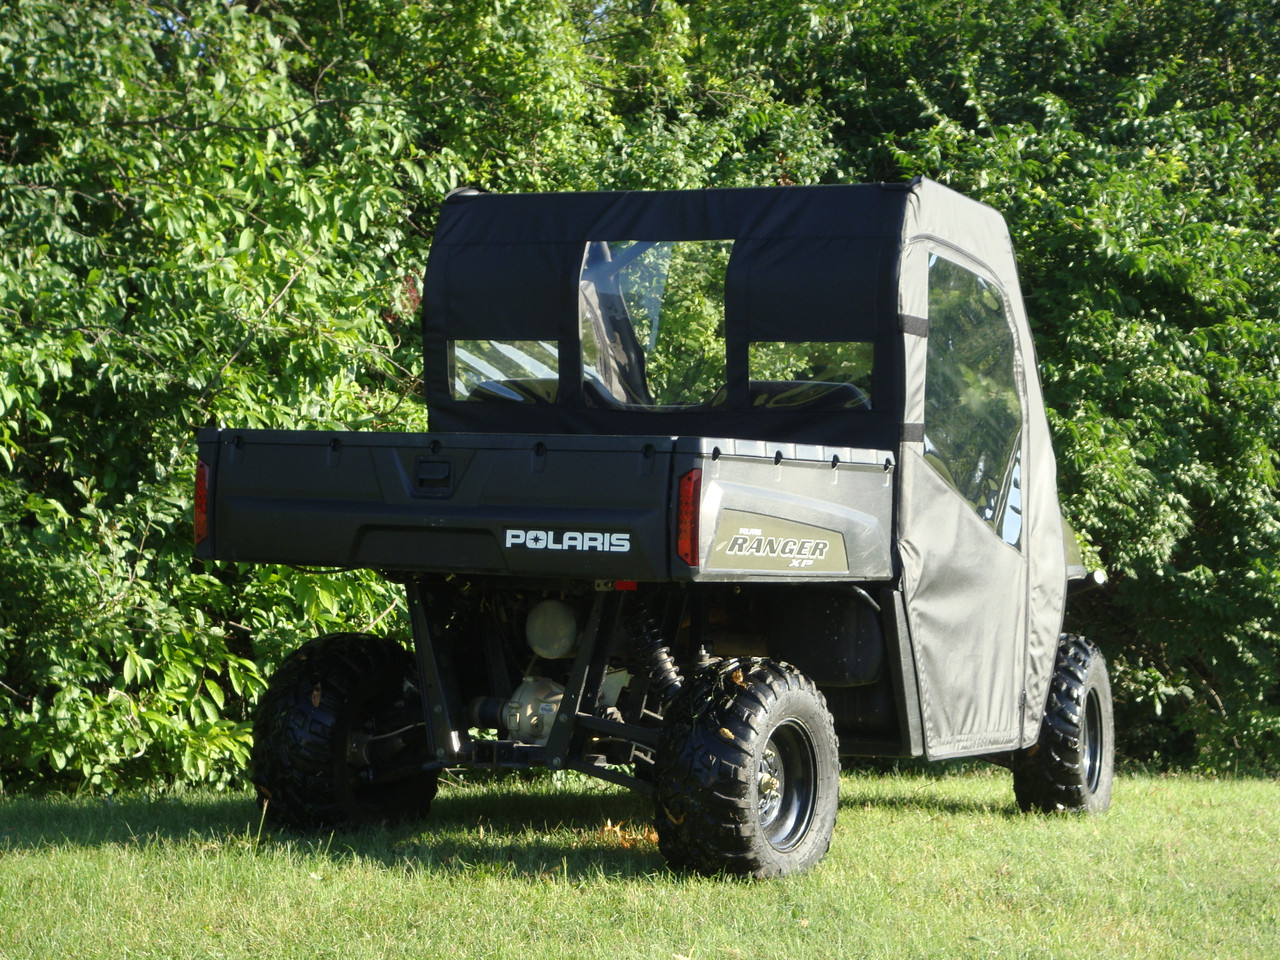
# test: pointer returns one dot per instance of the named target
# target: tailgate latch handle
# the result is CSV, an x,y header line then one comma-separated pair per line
x,y
432,478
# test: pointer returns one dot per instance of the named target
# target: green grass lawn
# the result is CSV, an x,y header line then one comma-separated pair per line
x,y
921,866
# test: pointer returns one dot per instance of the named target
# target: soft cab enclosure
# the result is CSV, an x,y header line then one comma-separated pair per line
x,y
914,287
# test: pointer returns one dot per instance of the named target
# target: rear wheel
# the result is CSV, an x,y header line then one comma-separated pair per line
x,y
747,775
338,735
1072,766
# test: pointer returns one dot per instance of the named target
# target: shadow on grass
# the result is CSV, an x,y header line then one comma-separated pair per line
x,y
542,830
33,822
574,832
539,831
924,787
912,798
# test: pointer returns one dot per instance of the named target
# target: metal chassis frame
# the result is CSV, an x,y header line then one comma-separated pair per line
x,y
449,743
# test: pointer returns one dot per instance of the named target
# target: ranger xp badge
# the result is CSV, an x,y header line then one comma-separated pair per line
x,y
749,541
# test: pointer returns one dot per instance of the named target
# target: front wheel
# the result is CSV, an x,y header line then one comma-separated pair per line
x,y
1072,766
747,774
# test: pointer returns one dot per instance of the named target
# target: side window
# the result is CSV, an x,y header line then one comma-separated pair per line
x,y
973,418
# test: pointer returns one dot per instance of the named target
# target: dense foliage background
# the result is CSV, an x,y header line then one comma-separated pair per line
x,y
218,211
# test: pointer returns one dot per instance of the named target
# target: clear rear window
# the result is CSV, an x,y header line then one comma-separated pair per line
x,y
651,324
652,321
811,373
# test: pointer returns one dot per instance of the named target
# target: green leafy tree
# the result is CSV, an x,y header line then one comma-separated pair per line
x,y
217,212
189,237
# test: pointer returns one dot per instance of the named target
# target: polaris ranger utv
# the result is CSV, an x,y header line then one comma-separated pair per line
x,y
721,486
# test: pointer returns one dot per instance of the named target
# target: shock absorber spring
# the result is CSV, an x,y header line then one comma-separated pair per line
x,y
664,676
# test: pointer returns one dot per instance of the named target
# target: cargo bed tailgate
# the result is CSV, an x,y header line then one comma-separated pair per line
x,y
557,506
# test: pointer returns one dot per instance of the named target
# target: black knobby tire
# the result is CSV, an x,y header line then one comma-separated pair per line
x,y
323,694
1072,766
747,773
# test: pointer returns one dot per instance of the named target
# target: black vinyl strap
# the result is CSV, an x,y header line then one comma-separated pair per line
x,y
913,326
913,433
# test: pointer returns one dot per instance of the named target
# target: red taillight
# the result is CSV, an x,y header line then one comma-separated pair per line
x,y
202,501
687,506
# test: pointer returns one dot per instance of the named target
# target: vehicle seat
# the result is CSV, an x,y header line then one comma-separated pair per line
x,y
528,390
818,394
